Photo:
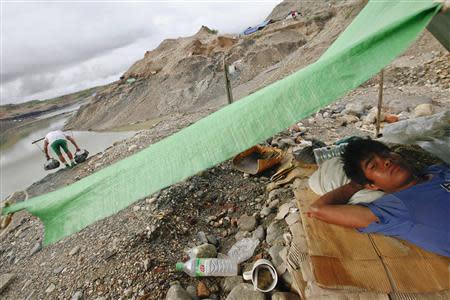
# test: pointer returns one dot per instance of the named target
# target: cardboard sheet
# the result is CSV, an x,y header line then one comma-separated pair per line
x,y
345,243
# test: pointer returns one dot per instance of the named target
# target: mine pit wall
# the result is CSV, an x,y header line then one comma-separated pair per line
x,y
186,74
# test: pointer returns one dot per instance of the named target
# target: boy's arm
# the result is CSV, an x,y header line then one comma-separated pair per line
x,y
46,149
332,208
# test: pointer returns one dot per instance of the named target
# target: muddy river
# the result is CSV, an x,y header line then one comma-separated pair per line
x,y
22,163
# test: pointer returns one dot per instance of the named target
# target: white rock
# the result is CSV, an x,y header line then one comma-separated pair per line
x,y
276,259
265,211
423,110
50,288
274,194
273,204
150,200
244,291
355,108
146,264
259,233
26,284
371,117
192,290
247,223
132,148
242,235
350,119
283,210
274,232
230,282
292,218
74,250
77,296
176,292
37,247
205,251
5,280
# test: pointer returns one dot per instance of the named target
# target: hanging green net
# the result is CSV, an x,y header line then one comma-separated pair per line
x,y
382,31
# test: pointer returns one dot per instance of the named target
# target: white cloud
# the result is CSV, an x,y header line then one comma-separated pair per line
x,y
54,47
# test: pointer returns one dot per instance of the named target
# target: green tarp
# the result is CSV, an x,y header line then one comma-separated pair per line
x,y
382,31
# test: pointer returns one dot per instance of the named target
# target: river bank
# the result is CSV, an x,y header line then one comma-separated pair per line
x,y
22,161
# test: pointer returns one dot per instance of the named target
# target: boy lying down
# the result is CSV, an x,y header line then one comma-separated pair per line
x,y
416,207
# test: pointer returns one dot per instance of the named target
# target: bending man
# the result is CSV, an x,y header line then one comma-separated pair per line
x,y
57,140
416,208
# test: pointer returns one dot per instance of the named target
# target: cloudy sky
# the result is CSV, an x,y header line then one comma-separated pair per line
x,y
50,48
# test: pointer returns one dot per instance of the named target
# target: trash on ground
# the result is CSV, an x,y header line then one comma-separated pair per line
x,y
201,267
243,249
257,159
263,276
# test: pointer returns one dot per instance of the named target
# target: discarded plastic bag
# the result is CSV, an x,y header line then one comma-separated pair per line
x,y
257,159
431,133
202,251
243,250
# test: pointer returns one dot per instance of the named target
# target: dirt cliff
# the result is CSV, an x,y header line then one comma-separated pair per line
x,y
186,74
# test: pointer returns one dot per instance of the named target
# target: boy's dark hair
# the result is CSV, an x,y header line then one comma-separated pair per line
x,y
355,152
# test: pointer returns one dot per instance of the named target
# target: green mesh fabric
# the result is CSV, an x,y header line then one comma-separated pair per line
x,y
382,31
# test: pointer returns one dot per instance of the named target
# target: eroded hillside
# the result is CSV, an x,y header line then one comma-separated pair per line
x,y
186,74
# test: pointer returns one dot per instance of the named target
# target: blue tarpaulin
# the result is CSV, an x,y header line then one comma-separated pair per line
x,y
251,30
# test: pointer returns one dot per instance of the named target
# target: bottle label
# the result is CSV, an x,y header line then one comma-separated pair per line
x,y
199,267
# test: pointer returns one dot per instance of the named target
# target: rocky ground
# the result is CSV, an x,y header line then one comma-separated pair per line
x,y
132,254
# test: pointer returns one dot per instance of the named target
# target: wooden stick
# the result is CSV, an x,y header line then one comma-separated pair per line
x,y
38,140
227,82
380,103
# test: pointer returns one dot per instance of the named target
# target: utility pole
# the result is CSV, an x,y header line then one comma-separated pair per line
x,y
380,103
227,82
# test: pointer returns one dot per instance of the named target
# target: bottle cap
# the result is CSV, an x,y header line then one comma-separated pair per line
x,y
179,266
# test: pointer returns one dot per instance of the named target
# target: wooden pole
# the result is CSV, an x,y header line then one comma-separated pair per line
x,y
227,82
380,103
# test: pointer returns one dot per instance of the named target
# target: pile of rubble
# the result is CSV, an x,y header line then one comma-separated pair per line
x,y
434,71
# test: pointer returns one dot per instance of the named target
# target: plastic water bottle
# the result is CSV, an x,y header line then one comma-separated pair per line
x,y
200,267
325,153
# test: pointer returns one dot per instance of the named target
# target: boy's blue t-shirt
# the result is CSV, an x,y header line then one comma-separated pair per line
x,y
419,214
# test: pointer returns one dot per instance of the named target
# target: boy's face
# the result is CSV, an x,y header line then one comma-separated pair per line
x,y
386,172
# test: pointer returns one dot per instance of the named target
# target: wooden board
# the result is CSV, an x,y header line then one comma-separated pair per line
x,y
339,273
443,295
391,247
418,275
